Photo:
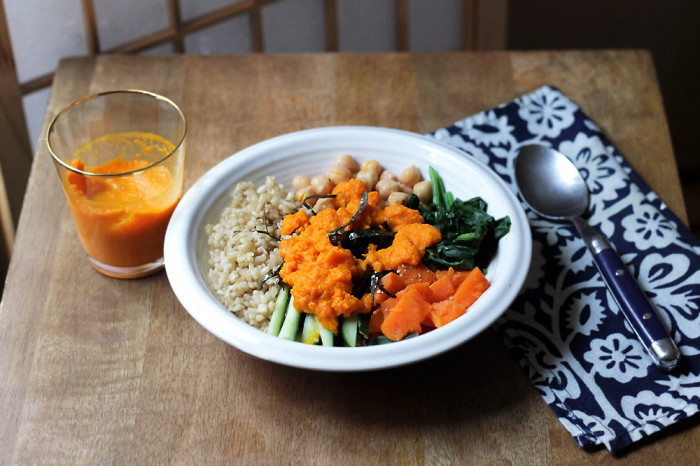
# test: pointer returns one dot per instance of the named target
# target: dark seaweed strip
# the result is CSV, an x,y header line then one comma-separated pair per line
x,y
358,241
268,234
376,283
263,232
316,196
363,285
378,235
270,274
337,235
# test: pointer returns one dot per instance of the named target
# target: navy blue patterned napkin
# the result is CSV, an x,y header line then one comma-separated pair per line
x,y
565,328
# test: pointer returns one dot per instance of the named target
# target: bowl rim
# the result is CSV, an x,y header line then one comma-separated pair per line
x,y
191,289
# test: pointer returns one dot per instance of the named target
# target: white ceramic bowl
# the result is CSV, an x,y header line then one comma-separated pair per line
x,y
312,152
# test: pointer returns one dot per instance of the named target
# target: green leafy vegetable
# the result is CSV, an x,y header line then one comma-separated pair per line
x,y
363,325
382,340
469,234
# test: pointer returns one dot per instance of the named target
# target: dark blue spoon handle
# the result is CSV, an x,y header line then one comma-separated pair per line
x,y
635,305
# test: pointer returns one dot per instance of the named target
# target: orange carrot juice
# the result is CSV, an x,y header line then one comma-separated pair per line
x,y
121,219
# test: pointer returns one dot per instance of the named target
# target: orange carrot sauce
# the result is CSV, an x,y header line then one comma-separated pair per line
x,y
121,220
321,275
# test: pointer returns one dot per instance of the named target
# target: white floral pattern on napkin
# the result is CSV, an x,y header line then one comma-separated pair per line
x,y
565,328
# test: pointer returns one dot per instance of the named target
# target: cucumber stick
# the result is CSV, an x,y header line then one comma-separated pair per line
x,y
311,330
279,312
326,336
348,328
290,326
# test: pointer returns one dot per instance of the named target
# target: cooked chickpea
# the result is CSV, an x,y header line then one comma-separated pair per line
x,y
321,184
368,177
339,174
348,162
324,203
372,165
387,186
303,193
410,176
386,174
397,198
424,191
300,182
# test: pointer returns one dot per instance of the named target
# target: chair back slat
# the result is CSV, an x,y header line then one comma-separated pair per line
x,y
90,21
15,150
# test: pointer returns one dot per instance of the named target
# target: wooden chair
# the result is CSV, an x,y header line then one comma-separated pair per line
x,y
482,25
15,149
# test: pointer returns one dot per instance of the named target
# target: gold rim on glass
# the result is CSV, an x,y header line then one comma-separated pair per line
x,y
100,94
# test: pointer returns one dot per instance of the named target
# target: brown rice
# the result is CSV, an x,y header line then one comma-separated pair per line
x,y
239,256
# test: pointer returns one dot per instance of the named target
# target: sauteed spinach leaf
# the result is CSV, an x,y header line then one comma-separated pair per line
x,y
469,234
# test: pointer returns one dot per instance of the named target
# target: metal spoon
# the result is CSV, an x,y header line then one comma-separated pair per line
x,y
552,185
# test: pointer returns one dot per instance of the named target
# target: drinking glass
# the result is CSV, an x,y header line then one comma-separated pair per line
x,y
119,156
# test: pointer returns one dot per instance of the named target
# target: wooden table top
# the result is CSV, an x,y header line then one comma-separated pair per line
x,y
98,370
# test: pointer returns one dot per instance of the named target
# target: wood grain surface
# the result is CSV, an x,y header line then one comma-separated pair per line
x,y
95,370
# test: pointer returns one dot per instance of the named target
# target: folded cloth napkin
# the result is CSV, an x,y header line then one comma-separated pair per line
x,y
564,328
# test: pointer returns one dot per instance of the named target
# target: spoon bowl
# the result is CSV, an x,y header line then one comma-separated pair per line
x,y
553,187
550,183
